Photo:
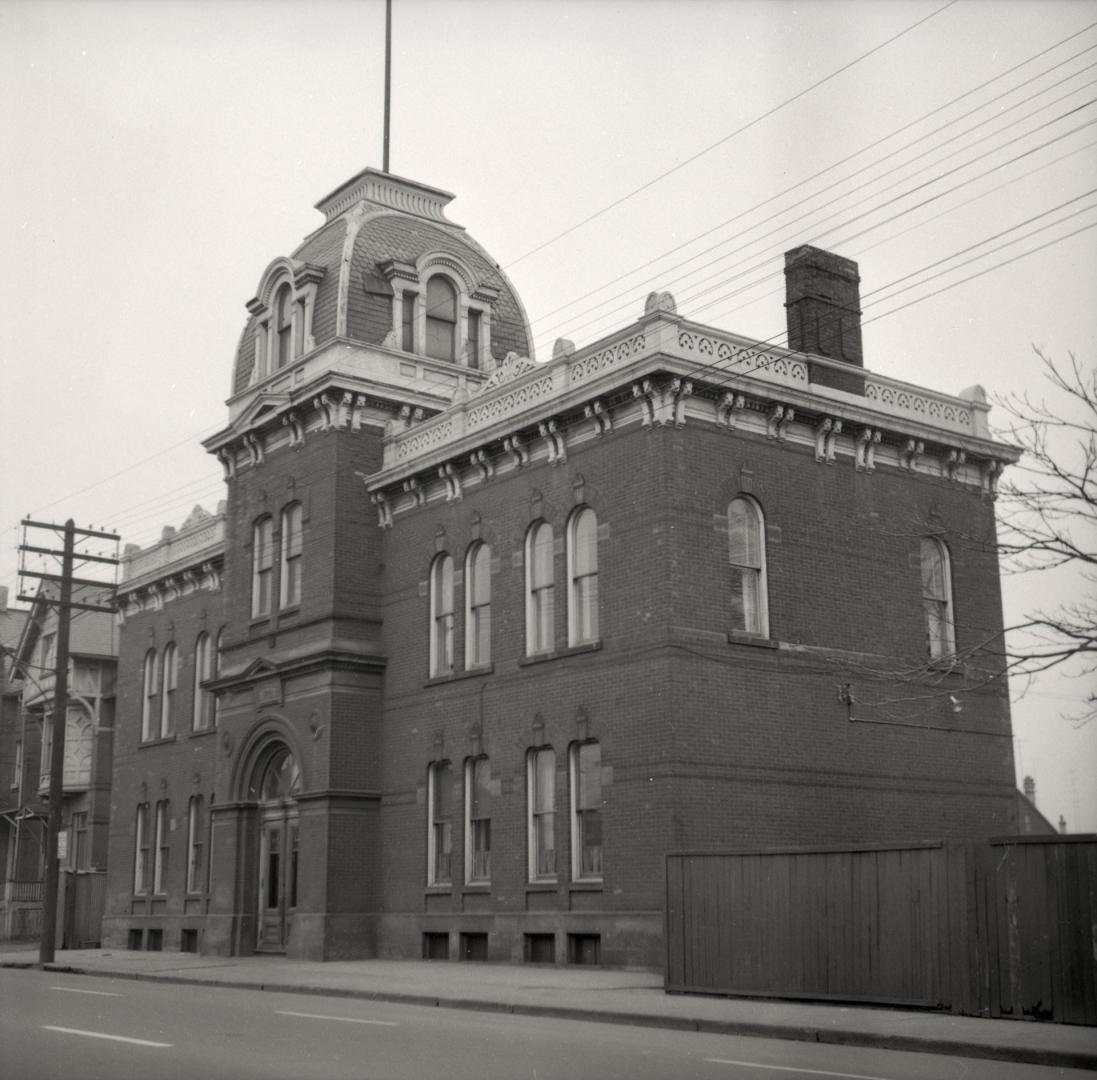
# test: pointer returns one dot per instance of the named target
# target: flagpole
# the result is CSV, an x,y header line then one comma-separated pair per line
x,y
388,79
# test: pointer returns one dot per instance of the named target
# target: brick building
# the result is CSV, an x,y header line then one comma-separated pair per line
x,y
476,640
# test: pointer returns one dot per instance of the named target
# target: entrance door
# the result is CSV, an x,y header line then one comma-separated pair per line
x,y
277,853
277,880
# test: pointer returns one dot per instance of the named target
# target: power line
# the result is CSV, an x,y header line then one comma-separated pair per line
x,y
848,158
726,138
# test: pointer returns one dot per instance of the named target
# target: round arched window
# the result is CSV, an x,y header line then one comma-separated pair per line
x,y
281,778
441,319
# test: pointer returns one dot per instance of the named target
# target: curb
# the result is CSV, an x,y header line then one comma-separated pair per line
x,y
1021,1055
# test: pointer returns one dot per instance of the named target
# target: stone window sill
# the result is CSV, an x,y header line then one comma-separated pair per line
x,y
741,637
559,654
457,676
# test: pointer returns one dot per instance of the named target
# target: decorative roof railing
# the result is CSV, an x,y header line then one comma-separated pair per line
x,y
519,386
176,549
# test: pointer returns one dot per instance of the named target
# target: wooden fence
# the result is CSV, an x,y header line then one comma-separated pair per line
x,y
1004,927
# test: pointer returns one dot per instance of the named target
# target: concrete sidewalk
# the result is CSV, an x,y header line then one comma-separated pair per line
x,y
607,996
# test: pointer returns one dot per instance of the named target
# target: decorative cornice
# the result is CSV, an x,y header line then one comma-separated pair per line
x,y
388,190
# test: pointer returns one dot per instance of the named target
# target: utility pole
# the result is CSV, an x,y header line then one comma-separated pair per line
x,y
59,716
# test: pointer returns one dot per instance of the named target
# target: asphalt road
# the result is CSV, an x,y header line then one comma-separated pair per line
x,y
65,1027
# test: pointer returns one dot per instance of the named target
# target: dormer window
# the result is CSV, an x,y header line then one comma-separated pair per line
x,y
441,319
283,326
439,310
283,310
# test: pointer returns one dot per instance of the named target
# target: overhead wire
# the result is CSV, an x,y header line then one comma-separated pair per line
x,y
731,135
843,180
655,180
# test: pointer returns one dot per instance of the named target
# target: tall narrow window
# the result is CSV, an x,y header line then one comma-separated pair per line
x,y
218,654
747,556
81,856
586,812
472,351
478,606
169,681
441,616
141,862
541,795
583,577
477,821
160,849
195,845
440,817
17,765
283,326
148,695
262,562
290,587
407,329
937,598
441,319
540,634
202,716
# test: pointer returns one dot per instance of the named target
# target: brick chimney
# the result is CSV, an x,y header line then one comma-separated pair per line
x,y
1030,789
823,313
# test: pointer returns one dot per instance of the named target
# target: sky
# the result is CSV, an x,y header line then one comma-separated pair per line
x,y
159,154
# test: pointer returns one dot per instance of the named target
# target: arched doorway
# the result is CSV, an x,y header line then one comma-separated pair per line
x,y
276,782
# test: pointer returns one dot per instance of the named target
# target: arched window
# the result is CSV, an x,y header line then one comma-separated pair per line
x,y
169,681
441,319
283,326
583,577
747,556
202,716
142,864
289,590
441,616
160,850
440,818
148,694
281,778
478,606
540,633
541,804
477,821
218,656
586,811
937,598
195,845
262,563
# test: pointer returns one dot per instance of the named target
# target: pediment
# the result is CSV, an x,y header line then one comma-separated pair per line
x,y
265,405
258,668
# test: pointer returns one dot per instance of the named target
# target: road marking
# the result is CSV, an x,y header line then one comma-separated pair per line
x,y
103,1035
77,990
344,1019
793,1069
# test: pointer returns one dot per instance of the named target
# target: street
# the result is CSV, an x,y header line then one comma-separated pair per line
x,y
55,1026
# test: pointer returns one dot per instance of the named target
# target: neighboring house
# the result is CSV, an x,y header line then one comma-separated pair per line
x,y
1030,821
476,640
89,736
20,860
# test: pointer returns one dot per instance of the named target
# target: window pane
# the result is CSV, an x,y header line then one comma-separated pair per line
x,y
478,594
441,319
541,556
587,827
743,534
441,602
407,311
585,557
